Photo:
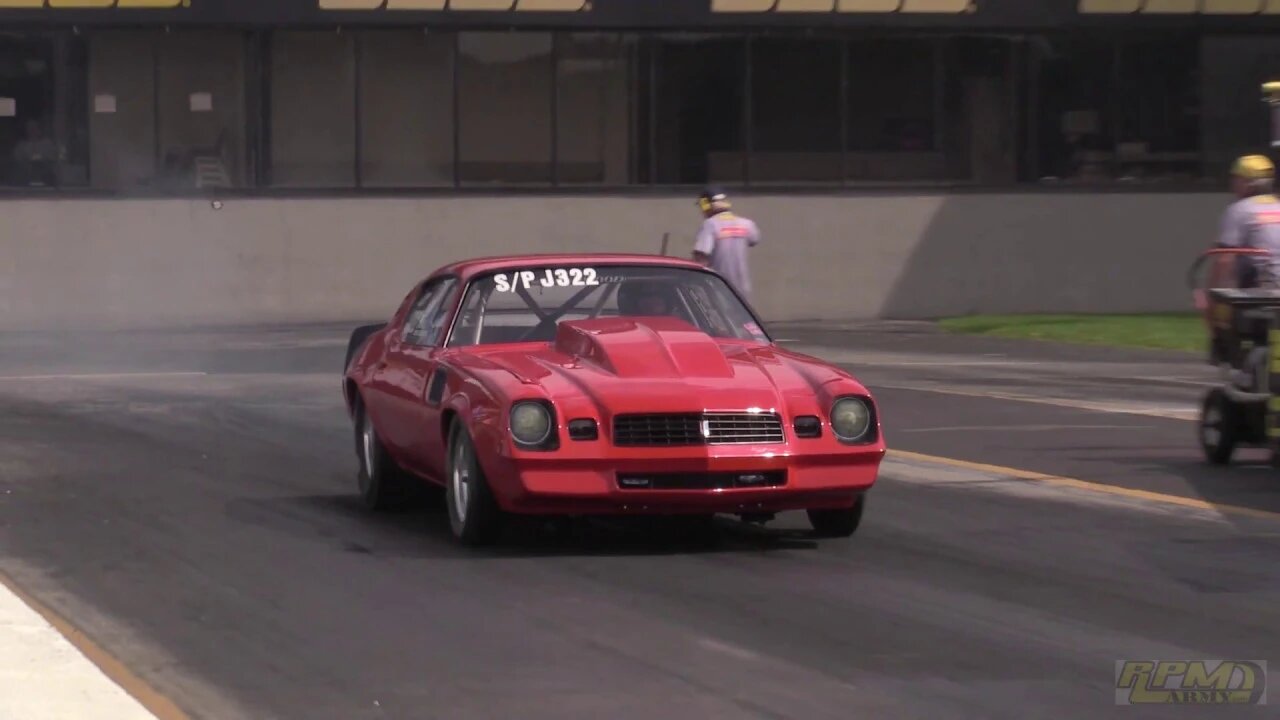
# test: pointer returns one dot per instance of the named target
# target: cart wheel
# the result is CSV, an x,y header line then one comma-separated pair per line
x,y
1219,427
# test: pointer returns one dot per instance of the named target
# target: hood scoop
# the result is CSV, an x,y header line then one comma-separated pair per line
x,y
644,347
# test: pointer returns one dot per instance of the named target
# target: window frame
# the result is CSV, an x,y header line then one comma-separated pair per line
x,y
433,300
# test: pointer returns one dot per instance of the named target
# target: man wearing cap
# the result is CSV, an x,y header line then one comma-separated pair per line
x,y
1253,221
723,240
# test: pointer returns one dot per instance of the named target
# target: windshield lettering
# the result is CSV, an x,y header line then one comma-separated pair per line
x,y
550,277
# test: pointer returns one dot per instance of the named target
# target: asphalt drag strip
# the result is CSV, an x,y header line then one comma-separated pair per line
x,y
203,530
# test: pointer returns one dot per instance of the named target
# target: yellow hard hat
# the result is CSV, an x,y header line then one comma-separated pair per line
x,y
1254,167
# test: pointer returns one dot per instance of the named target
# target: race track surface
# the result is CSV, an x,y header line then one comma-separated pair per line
x,y
187,500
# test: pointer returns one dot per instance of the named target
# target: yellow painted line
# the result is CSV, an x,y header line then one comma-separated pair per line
x,y
1189,414
1087,485
157,704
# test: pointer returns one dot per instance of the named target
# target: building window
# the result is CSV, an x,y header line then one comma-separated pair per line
x,y
1234,121
698,110
594,121
795,110
201,81
71,114
504,107
122,126
39,147
312,109
167,110
1075,128
406,108
1118,109
892,103
1158,124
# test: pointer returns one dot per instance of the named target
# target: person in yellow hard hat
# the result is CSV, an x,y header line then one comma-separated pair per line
x,y
1253,220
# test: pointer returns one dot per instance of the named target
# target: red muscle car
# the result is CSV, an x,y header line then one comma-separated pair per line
x,y
602,385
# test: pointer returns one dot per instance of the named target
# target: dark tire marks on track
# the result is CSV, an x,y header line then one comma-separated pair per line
x,y
206,530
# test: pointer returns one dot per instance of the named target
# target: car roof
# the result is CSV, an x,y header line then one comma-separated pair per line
x,y
475,266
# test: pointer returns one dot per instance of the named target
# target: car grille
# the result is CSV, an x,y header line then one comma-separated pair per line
x,y
722,428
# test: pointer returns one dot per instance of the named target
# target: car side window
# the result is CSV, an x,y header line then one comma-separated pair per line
x,y
425,324
413,318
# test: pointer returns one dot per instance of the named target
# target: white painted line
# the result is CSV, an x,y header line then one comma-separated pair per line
x,y
948,363
1149,410
1023,428
882,358
736,651
100,376
44,677
1174,381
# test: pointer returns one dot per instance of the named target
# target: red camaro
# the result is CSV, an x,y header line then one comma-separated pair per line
x,y
602,384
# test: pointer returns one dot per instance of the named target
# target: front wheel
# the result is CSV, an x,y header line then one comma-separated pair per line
x,y
474,515
837,523
1219,427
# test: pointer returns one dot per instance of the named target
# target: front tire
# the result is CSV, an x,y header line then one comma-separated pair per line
x,y
474,515
1219,427
383,486
839,523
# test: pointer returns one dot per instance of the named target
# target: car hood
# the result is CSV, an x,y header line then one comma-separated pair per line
x,y
624,365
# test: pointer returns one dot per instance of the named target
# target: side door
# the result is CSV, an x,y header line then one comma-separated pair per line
x,y
390,389
417,359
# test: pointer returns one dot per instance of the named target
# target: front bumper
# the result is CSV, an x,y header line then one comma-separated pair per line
x,y
683,482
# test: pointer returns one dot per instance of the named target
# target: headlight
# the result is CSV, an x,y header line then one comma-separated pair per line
x,y
530,422
850,418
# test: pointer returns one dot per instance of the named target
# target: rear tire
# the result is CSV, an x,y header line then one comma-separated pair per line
x,y
357,340
383,485
837,523
1219,427
474,515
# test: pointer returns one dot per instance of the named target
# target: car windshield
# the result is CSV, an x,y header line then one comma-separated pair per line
x,y
526,304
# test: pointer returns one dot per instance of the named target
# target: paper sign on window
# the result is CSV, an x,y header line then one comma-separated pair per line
x,y
104,103
201,102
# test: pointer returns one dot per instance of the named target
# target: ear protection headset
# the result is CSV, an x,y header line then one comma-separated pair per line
x,y
712,197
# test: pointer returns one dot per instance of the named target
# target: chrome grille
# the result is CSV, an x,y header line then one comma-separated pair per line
x,y
721,428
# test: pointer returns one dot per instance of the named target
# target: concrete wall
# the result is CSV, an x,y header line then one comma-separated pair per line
x,y
137,263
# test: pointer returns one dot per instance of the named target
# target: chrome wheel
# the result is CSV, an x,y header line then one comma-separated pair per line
x,y
461,480
474,515
368,441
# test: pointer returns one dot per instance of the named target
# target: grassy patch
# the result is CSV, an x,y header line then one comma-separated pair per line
x,y
1182,331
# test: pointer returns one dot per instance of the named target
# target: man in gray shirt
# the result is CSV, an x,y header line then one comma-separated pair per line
x,y
1253,221
724,239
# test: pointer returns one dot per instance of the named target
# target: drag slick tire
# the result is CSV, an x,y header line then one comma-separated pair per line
x,y
357,340
837,523
1219,427
383,485
474,515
